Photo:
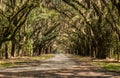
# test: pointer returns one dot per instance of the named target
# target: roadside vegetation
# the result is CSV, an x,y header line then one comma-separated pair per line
x,y
14,62
102,63
111,66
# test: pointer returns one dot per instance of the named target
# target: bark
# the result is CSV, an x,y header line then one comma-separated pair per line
x,y
6,51
13,48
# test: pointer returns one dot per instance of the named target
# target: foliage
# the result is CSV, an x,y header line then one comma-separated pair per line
x,y
82,27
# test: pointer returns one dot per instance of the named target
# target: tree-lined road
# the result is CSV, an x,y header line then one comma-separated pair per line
x,y
60,66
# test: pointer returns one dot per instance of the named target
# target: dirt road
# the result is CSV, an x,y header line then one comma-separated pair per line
x,y
60,66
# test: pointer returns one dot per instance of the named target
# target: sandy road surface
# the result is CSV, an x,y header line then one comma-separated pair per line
x,y
60,66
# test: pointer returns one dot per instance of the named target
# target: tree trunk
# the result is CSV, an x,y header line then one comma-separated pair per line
x,y
118,56
13,48
20,50
6,51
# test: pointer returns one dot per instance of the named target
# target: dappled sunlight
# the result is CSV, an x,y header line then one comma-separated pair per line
x,y
65,73
65,67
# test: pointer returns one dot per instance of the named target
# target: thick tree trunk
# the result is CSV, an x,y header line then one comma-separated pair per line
x,y
13,48
6,51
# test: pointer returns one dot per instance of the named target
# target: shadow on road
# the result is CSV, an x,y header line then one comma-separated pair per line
x,y
59,66
75,72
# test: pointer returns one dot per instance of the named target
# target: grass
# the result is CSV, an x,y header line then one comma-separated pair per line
x,y
5,63
108,66
80,58
112,66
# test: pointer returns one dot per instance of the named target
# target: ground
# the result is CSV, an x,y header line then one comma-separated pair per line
x,y
59,66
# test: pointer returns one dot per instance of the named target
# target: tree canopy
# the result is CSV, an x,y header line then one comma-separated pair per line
x,y
82,27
